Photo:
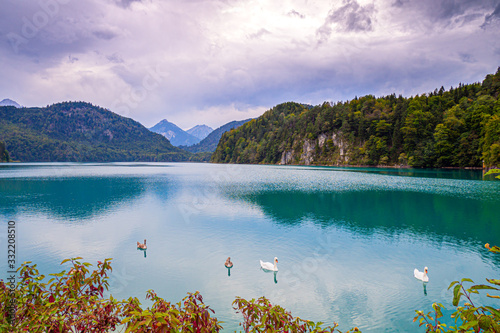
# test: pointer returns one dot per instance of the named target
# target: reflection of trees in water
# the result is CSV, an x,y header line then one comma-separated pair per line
x,y
68,198
390,211
470,174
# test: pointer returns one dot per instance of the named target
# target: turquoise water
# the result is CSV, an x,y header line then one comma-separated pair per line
x,y
347,239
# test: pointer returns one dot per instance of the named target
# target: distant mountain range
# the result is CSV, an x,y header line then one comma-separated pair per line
x,y
80,132
9,102
199,139
200,131
176,135
209,144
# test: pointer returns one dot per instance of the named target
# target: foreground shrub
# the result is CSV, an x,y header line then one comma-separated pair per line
x,y
261,316
73,301
190,315
68,302
469,317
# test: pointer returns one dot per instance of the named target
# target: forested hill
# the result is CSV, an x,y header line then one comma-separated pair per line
x,y
4,155
455,128
80,132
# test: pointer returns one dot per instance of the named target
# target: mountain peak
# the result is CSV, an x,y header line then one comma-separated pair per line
x,y
9,102
174,133
200,131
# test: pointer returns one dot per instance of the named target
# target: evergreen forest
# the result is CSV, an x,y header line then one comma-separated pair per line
x,y
80,132
459,127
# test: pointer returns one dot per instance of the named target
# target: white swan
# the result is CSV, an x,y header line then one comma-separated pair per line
x,y
268,266
421,275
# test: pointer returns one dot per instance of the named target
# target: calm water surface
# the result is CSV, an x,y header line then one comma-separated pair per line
x,y
347,239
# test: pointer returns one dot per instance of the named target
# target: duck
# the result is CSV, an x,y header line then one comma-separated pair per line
x,y
268,266
142,246
228,263
421,275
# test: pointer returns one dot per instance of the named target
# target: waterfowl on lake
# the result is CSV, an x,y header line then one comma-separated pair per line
x,y
268,266
142,246
228,263
421,275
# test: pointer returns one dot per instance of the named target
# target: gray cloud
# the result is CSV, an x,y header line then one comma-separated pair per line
x,y
104,34
447,13
259,33
45,29
224,60
466,57
115,58
350,17
295,13
126,3
494,16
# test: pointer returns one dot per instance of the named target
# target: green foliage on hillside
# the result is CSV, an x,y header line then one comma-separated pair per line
x,y
4,155
455,128
80,132
201,157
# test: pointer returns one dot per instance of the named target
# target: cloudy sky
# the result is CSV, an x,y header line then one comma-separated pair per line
x,y
214,61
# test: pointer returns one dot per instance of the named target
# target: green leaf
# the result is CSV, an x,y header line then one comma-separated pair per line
x,y
456,294
493,311
452,284
492,171
467,280
493,281
482,286
469,324
495,249
485,322
437,308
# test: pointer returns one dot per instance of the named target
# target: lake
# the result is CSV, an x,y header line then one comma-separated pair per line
x,y
347,239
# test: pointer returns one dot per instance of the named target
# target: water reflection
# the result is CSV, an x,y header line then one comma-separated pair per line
x,y
425,288
143,250
369,212
275,274
471,174
74,198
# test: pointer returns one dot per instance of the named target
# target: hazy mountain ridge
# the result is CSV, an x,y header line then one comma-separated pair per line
x,y
176,135
455,128
9,102
200,131
80,132
209,144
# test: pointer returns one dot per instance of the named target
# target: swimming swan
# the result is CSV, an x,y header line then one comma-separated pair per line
x,y
268,266
228,263
142,246
421,275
